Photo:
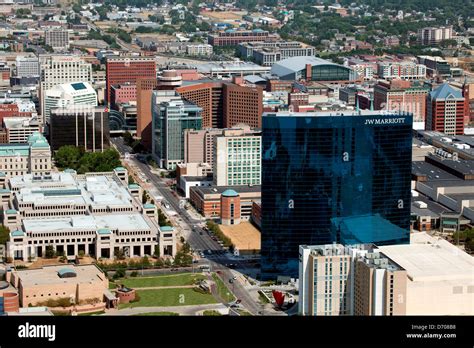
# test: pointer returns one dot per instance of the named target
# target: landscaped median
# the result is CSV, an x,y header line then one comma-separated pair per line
x,y
223,291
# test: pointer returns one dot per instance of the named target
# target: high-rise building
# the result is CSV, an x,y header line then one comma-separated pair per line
x,y
429,276
225,104
27,66
199,145
80,126
145,87
399,95
349,280
340,177
434,35
67,94
122,94
237,158
59,69
128,69
170,119
58,39
445,110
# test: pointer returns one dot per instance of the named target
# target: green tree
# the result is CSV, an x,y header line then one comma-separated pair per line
x,y
49,253
4,234
157,251
68,156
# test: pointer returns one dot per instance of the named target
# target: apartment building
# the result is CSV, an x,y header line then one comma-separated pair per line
x,y
434,35
401,70
58,39
203,50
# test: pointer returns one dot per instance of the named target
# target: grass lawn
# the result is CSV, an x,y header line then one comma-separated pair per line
x,y
169,297
243,313
224,292
165,280
112,285
212,313
158,314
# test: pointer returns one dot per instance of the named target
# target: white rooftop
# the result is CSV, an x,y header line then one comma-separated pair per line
x,y
120,222
428,258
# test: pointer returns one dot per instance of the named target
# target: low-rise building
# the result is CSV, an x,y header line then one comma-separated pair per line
x,y
94,213
207,200
76,283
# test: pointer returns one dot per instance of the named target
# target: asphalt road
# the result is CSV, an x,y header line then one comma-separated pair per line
x,y
198,239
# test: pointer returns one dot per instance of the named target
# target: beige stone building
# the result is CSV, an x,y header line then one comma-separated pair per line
x,y
77,283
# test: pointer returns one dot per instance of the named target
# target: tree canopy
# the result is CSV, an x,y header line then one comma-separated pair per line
x,y
76,158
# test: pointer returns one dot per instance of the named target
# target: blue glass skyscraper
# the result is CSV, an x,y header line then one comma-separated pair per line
x,y
333,178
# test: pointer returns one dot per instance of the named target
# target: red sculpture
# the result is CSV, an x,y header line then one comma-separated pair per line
x,y
279,297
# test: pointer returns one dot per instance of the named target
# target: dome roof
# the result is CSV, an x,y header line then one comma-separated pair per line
x,y
230,193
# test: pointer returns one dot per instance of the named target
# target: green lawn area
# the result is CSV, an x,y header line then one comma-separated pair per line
x,y
243,313
158,314
112,285
165,280
224,292
170,297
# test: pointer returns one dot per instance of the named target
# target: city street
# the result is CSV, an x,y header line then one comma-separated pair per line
x,y
195,235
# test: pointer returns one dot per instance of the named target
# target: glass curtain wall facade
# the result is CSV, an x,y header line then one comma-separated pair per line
x,y
170,119
328,179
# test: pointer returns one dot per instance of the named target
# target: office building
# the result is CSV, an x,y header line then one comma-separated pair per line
x,y
127,69
399,95
341,177
199,145
445,110
268,53
17,107
225,104
122,94
401,70
350,280
33,156
58,39
170,119
237,158
98,214
207,200
69,94
145,87
233,37
27,66
435,66
434,35
19,129
312,69
59,69
81,126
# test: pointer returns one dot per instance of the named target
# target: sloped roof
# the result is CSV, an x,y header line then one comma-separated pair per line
x,y
446,91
